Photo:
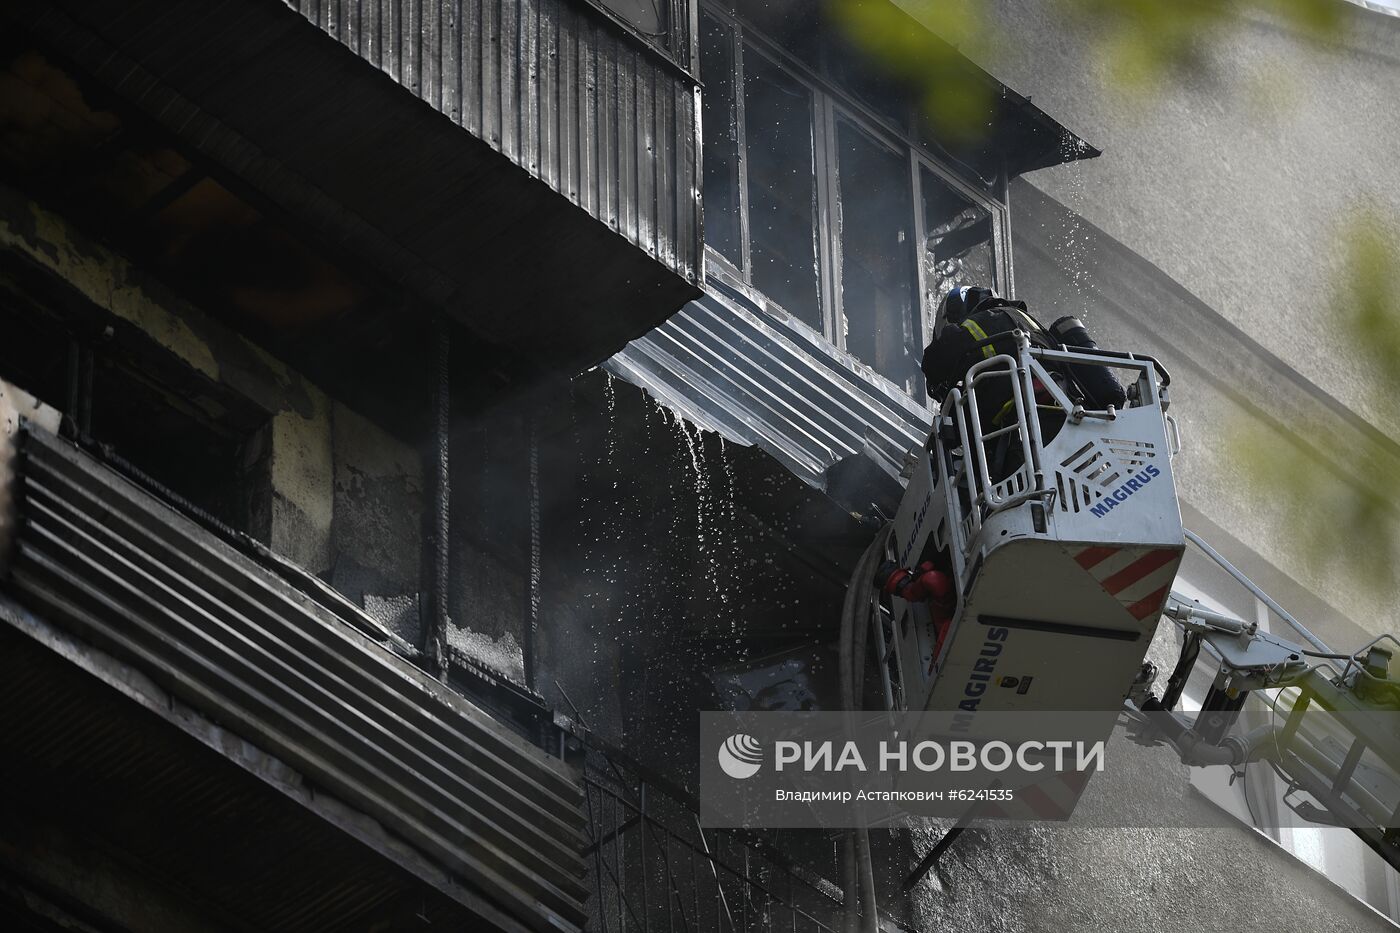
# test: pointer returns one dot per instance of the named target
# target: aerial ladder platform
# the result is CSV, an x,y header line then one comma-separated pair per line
x,y
1028,567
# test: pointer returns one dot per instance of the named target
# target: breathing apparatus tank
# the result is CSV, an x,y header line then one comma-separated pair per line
x,y
1100,387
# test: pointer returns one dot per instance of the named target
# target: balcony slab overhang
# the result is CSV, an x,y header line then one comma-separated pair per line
x,y
427,218
117,781
195,690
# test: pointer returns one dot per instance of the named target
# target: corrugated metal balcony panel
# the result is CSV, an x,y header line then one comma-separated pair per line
x,y
679,388
560,91
762,380
104,559
778,362
580,221
84,745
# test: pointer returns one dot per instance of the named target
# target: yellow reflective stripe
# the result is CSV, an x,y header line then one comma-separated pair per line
x,y
1005,410
973,328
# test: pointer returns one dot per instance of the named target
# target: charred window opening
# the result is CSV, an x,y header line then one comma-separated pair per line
x,y
205,447
833,209
35,349
199,440
781,187
879,283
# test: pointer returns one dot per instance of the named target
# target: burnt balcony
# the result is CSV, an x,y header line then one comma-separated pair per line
x,y
336,178
193,737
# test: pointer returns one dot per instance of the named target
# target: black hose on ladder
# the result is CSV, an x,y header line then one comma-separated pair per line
x,y
862,601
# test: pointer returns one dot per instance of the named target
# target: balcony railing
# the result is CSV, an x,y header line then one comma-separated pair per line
x,y
105,561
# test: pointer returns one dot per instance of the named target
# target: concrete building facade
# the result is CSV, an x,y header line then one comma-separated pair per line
x,y
1213,234
414,413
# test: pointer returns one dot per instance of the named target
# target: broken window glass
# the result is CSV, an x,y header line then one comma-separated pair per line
x,y
647,15
781,187
720,127
879,285
958,246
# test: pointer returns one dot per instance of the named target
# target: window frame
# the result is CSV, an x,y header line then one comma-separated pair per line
x,y
678,43
818,170
1001,229
829,104
835,113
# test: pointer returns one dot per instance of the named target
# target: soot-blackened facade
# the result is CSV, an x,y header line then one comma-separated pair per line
x,y
342,587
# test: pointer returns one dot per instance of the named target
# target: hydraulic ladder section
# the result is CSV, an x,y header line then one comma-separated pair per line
x,y
1328,721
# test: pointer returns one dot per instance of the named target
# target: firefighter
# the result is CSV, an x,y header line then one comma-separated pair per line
x,y
977,325
973,316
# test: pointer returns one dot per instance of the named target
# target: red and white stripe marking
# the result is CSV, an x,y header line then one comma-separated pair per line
x,y
1139,578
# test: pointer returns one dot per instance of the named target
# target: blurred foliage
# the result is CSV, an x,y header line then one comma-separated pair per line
x,y
1371,288
1352,524
955,99
1142,43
